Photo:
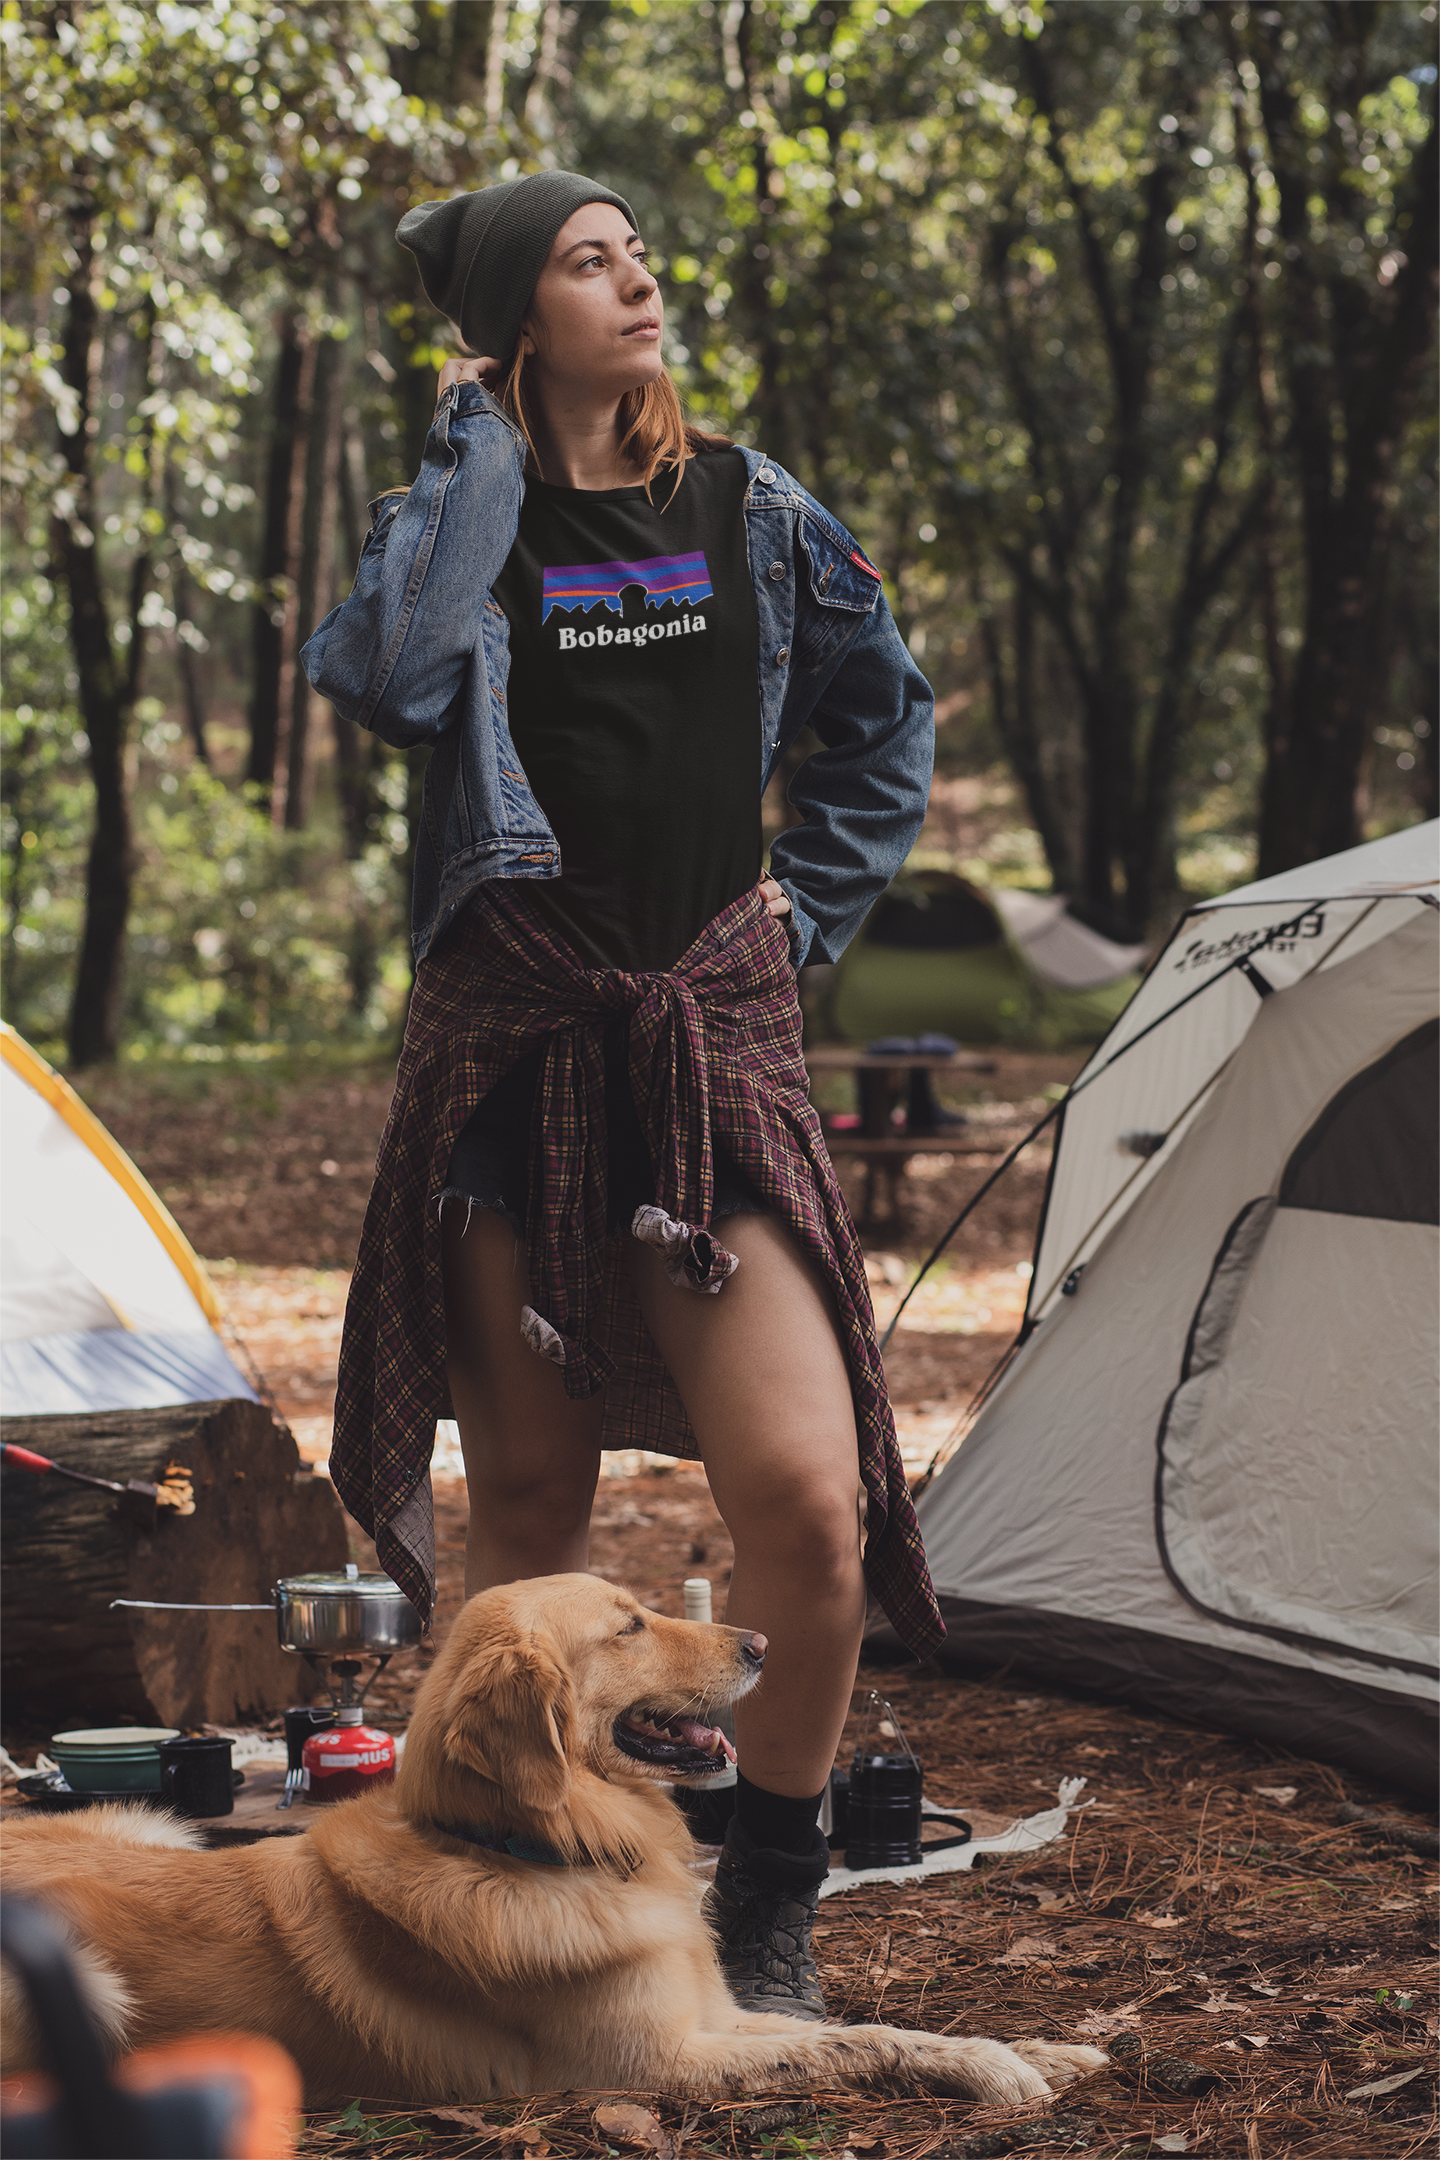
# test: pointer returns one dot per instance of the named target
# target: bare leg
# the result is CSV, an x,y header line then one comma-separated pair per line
x,y
531,1454
762,1374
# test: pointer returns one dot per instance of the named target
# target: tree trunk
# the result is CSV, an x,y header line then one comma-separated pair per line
x,y
186,659
471,29
1427,788
315,565
752,273
1360,355
358,753
14,794
106,689
67,1658
289,644
1013,708
1308,800
273,570
415,398
495,68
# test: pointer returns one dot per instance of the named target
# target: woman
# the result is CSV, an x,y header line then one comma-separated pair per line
x,y
610,628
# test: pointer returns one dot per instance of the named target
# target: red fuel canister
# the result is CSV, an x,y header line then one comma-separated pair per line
x,y
350,1758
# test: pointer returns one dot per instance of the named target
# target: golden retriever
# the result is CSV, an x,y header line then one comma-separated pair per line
x,y
397,1953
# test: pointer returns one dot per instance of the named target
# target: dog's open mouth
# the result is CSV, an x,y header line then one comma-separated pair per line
x,y
679,1744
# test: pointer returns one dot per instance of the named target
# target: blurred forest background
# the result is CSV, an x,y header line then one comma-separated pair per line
x,y
1108,329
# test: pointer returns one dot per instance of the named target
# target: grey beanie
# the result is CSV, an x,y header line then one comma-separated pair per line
x,y
480,255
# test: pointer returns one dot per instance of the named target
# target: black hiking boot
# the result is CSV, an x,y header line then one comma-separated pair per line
x,y
761,1910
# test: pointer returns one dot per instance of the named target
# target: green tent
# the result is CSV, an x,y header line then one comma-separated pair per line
x,y
939,955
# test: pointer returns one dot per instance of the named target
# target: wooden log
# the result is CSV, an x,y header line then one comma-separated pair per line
x,y
67,1659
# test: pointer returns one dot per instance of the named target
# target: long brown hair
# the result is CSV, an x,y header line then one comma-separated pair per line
x,y
654,434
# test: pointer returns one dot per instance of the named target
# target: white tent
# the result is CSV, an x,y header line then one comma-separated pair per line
x,y
1207,1483
103,1305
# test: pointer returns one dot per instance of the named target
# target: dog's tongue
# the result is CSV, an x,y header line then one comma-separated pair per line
x,y
704,1736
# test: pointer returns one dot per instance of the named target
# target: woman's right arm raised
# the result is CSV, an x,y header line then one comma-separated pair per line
x,y
393,656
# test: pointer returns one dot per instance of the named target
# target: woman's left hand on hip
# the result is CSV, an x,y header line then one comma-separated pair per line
x,y
775,898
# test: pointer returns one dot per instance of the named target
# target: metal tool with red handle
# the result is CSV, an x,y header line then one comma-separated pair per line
x,y
135,1500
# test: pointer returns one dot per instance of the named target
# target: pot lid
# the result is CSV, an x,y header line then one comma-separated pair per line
x,y
347,1582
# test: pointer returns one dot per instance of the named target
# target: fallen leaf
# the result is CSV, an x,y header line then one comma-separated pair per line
x,y
1253,2040
1173,2141
1282,1795
1030,1950
627,2124
1380,2086
1216,2003
1261,1987
1157,1920
461,2118
1099,2024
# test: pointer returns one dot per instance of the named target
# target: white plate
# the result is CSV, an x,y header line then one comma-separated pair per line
x,y
116,1736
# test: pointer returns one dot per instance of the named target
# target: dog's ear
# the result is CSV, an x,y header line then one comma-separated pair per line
x,y
516,1725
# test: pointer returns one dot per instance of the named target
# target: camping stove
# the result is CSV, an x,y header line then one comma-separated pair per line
x,y
318,1616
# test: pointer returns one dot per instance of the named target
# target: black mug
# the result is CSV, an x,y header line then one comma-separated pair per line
x,y
300,1722
883,1811
195,1777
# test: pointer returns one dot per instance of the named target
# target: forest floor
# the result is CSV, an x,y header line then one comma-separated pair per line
x,y
1277,1962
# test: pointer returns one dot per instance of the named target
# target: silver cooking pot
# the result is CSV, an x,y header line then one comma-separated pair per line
x,y
344,1615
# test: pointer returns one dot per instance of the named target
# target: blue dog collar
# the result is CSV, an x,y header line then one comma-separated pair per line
x,y
499,1842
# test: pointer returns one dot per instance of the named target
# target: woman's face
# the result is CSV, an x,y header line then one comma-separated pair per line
x,y
595,320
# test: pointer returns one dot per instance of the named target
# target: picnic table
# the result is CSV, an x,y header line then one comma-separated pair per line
x,y
881,1077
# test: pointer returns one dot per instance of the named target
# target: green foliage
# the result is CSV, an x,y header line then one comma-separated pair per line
x,y
1009,287
201,153
243,938
249,935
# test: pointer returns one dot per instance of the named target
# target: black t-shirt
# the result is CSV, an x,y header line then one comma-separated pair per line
x,y
634,705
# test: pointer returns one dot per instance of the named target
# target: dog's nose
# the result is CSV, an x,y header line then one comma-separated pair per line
x,y
753,1649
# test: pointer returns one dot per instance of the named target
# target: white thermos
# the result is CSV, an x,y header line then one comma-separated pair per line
x,y
698,1607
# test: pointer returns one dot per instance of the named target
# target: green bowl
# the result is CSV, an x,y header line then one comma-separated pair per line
x,y
119,1758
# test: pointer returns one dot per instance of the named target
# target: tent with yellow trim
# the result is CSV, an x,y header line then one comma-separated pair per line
x,y
103,1305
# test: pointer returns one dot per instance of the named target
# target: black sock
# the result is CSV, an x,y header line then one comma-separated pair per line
x,y
775,1822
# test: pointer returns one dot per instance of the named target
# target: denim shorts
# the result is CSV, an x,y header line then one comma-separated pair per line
x,y
490,1161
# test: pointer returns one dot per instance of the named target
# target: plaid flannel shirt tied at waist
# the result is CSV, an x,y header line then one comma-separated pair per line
x,y
731,993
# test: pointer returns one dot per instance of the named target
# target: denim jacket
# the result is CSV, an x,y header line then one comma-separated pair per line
x,y
419,653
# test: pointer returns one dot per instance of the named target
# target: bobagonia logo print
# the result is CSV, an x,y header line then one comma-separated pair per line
x,y
654,598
